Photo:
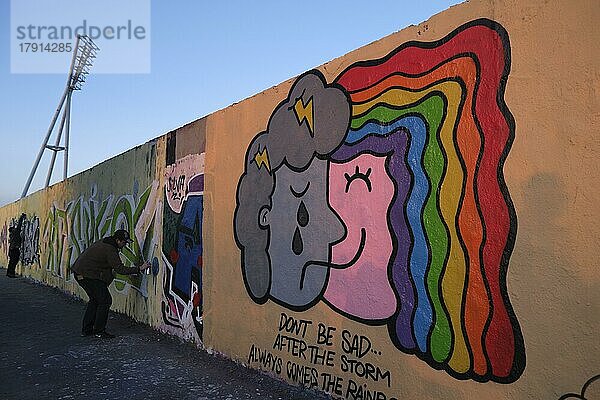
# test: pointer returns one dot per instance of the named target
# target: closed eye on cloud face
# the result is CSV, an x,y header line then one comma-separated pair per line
x,y
358,175
300,193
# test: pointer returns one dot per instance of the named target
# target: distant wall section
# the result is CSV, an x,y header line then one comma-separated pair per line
x,y
155,192
63,220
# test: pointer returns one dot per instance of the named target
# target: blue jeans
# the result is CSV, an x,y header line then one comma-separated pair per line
x,y
96,312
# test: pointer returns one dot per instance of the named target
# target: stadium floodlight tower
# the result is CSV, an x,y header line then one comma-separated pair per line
x,y
83,56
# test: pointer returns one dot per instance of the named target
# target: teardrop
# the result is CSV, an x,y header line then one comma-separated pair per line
x,y
297,245
302,215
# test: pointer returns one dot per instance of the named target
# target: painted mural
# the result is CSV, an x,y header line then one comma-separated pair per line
x,y
30,240
70,229
30,245
182,247
4,240
382,195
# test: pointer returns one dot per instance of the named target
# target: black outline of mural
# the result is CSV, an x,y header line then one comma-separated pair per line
x,y
580,396
519,358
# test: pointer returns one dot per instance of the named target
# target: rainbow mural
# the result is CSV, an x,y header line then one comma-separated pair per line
x,y
382,195
454,310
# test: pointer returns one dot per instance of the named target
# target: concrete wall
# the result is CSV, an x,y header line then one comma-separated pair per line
x,y
415,219
63,220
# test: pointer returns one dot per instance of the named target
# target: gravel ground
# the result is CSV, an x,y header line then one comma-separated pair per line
x,y
43,357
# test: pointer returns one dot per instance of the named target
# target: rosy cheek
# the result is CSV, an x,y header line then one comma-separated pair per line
x,y
340,200
344,205
377,202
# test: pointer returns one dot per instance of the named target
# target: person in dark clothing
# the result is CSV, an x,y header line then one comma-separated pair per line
x,y
93,271
14,247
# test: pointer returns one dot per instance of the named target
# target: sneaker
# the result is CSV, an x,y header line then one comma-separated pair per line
x,y
104,335
11,275
85,334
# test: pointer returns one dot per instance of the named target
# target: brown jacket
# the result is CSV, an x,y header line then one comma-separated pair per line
x,y
100,259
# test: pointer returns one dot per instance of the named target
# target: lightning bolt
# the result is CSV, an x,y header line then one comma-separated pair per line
x,y
261,158
304,112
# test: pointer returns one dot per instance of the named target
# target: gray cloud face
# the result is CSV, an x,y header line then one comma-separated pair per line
x,y
312,121
302,225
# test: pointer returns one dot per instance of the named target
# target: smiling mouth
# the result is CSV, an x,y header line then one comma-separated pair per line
x,y
361,247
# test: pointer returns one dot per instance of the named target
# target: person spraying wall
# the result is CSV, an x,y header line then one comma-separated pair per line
x,y
93,271
14,246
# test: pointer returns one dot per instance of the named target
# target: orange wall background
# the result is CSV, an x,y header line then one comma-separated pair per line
x,y
503,302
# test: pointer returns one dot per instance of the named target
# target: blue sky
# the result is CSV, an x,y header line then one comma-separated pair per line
x,y
205,56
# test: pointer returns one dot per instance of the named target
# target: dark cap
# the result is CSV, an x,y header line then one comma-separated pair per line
x,y
122,234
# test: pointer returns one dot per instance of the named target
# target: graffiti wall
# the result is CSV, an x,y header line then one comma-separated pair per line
x,y
30,239
181,305
65,219
71,228
416,219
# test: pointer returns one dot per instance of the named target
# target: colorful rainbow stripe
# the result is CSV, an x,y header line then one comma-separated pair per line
x,y
454,311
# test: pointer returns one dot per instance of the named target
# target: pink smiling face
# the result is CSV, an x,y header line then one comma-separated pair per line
x,y
361,191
